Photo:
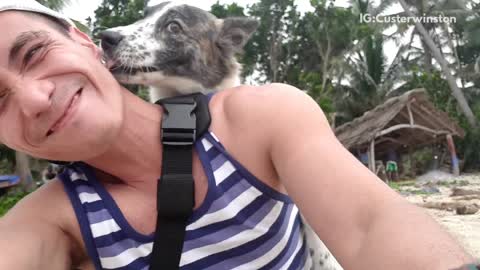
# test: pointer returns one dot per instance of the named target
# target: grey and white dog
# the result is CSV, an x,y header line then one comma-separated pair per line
x,y
180,49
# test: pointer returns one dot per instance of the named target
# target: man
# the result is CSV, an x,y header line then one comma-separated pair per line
x,y
391,166
58,101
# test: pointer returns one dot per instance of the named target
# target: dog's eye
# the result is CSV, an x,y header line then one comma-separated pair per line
x,y
174,27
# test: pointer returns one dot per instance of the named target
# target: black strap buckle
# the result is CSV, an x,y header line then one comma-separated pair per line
x,y
179,123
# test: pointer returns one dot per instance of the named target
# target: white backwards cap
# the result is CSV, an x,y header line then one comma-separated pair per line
x,y
33,6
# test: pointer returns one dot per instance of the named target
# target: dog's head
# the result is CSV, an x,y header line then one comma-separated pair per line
x,y
176,40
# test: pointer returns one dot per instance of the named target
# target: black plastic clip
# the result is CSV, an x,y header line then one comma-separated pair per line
x,y
179,123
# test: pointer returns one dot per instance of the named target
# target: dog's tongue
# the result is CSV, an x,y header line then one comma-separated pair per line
x,y
110,63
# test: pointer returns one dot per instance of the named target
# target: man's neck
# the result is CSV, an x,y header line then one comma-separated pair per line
x,y
135,156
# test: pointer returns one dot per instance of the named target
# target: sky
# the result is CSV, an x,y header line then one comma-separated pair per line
x,y
82,9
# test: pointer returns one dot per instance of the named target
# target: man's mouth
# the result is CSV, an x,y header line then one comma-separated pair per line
x,y
62,120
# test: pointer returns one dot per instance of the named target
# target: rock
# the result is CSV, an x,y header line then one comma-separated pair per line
x,y
449,206
466,198
462,192
467,209
430,189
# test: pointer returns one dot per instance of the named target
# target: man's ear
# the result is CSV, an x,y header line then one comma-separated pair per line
x,y
84,40
235,32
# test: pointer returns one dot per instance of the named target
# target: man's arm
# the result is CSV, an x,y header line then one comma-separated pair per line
x,y
363,222
30,240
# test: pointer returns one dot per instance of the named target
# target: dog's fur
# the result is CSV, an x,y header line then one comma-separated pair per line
x,y
198,53
178,49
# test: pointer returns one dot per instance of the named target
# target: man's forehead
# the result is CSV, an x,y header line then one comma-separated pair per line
x,y
15,16
15,22
17,26
20,21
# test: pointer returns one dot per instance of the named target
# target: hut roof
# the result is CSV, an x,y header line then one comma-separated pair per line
x,y
394,111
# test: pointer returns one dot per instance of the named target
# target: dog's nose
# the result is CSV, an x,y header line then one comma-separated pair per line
x,y
110,39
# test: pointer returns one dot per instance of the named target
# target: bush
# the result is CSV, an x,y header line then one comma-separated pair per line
x,y
469,149
423,159
9,200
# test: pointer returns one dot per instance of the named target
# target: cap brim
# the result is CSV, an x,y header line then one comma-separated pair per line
x,y
33,6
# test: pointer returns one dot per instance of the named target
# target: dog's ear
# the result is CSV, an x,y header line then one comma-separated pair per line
x,y
235,32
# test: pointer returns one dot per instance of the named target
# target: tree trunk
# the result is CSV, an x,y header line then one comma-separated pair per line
x,y
457,93
274,50
22,169
427,57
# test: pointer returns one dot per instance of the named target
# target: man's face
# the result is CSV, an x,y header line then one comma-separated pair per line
x,y
57,101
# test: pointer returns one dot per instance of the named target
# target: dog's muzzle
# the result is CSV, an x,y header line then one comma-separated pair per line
x,y
110,41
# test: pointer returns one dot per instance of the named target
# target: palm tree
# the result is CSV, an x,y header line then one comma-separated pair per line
x,y
434,39
368,86
370,79
433,50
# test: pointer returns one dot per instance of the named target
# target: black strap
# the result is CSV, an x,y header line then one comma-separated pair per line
x,y
185,119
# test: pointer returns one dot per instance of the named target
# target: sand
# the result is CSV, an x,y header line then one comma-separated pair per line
x,y
465,228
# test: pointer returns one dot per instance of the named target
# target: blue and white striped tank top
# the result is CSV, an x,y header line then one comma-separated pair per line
x,y
242,223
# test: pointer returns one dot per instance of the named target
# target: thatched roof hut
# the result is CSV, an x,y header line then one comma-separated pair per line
x,y
409,120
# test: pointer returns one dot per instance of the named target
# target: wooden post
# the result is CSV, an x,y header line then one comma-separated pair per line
x,y
371,156
410,115
411,162
453,154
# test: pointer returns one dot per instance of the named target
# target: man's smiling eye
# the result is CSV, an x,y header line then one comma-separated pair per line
x,y
3,96
4,93
32,52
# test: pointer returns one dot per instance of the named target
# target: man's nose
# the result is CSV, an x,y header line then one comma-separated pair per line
x,y
110,40
34,97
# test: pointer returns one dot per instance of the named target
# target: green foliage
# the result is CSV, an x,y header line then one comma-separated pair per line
x,y
7,160
423,159
394,185
6,167
399,185
469,147
312,83
247,58
82,27
272,44
223,11
112,13
54,4
437,88
366,90
332,26
143,93
9,200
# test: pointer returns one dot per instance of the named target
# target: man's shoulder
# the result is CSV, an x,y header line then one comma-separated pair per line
x,y
48,202
249,95
270,106
246,102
